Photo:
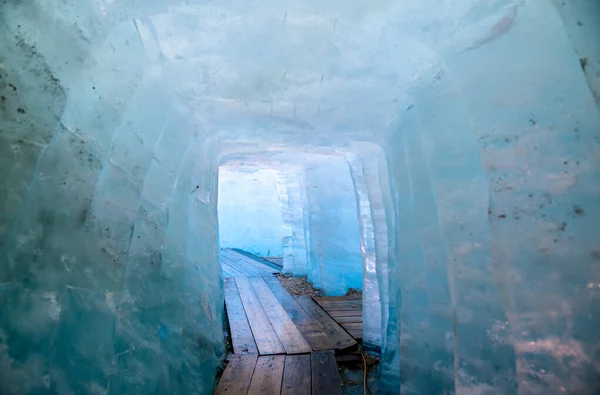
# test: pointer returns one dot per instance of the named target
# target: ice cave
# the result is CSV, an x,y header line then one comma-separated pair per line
x,y
440,156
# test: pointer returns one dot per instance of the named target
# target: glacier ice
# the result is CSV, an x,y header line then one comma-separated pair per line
x,y
249,210
440,155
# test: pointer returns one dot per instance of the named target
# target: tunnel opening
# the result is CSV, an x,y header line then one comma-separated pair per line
x,y
299,207
310,206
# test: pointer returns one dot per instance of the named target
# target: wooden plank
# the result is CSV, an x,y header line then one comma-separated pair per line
x,y
258,265
230,256
241,335
337,298
256,258
345,304
268,375
225,255
345,313
340,338
250,261
296,375
353,326
349,312
312,333
230,270
325,375
288,334
265,337
237,375
355,319
246,269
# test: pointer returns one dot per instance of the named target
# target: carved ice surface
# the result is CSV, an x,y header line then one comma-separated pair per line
x,y
442,155
249,212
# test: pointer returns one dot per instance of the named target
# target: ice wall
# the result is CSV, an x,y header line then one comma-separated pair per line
x,y
333,225
250,215
108,276
295,213
496,251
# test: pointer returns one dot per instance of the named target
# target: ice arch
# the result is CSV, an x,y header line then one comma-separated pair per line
x,y
112,113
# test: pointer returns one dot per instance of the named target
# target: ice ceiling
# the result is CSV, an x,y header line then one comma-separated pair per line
x,y
312,69
469,128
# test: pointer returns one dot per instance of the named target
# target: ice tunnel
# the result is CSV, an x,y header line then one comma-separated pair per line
x,y
440,155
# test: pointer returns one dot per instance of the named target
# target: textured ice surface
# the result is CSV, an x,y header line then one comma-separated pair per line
x,y
333,226
483,197
109,281
249,211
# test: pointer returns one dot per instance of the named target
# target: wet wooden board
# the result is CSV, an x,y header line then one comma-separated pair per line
x,y
265,336
258,259
312,333
355,326
243,267
325,375
288,333
237,264
345,313
241,335
332,329
296,375
338,298
268,375
244,260
355,329
237,375
343,320
230,267
341,301
250,260
341,305
346,310
231,271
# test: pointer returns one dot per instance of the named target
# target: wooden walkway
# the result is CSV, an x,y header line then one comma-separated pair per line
x,y
282,343
235,264
306,374
345,310
265,318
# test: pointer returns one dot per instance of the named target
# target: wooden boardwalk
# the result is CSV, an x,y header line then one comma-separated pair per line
x,y
282,343
235,264
306,374
265,318
346,311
